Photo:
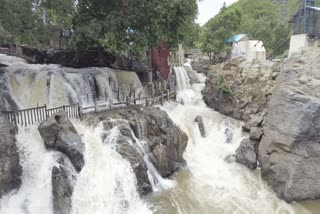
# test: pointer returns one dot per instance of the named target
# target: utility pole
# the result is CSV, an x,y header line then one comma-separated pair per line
x,y
45,15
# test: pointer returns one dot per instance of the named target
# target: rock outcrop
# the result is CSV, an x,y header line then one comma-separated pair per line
x,y
10,169
125,145
289,152
239,88
59,134
246,154
199,120
160,140
62,190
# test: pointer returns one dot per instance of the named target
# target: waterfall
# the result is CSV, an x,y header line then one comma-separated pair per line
x,y
34,196
26,86
107,183
183,81
210,182
214,182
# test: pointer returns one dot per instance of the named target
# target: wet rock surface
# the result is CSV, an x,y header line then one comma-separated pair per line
x,y
159,139
61,190
246,154
59,134
289,152
10,169
240,89
199,120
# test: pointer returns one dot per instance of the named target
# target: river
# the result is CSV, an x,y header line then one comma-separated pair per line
x,y
210,181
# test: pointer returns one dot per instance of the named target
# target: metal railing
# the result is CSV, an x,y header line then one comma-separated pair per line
x,y
32,116
153,94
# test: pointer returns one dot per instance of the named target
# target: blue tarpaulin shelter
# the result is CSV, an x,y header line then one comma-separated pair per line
x,y
235,38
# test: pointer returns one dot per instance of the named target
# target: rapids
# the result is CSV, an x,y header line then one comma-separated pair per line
x,y
210,182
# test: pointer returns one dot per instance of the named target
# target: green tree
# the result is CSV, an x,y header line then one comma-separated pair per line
x,y
130,27
217,30
259,19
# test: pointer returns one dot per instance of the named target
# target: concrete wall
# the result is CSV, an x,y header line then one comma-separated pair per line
x,y
249,49
300,42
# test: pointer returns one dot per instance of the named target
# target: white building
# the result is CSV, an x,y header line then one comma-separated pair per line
x,y
249,49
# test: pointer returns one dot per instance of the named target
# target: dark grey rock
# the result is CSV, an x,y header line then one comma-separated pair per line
x,y
289,152
59,134
62,190
256,133
130,153
10,169
200,125
164,141
246,154
253,122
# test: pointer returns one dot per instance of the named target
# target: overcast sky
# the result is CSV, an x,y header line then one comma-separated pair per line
x,y
209,8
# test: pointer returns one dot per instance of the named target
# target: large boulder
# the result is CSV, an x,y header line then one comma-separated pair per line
x,y
289,152
166,140
156,138
246,154
131,153
10,169
125,145
59,134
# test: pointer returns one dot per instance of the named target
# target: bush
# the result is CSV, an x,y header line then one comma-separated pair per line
x,y
224,89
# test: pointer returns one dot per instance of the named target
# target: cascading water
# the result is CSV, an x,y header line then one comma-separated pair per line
x,y
212,182
209,183
34,195
26,86
106,184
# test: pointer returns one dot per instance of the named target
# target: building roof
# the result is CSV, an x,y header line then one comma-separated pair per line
x,y
236,38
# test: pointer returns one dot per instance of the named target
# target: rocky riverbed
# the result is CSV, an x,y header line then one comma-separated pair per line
x,y
143,137
279,101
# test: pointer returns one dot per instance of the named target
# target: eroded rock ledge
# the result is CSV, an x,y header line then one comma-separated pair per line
x,y
239,88
10,169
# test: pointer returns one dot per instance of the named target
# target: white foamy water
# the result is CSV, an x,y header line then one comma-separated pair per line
x,y
212,182
106,184
30,85
34,195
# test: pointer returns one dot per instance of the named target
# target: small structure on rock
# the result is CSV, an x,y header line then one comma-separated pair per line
x,y
306,28
242,46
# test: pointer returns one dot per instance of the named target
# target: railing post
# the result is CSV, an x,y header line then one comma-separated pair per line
x,y
15,118
46,113
152,89
118,94
95,104
80,111
161,98
134,98
168,95
127,100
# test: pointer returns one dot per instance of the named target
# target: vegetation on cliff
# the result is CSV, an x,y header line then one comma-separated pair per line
x,y
261,20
